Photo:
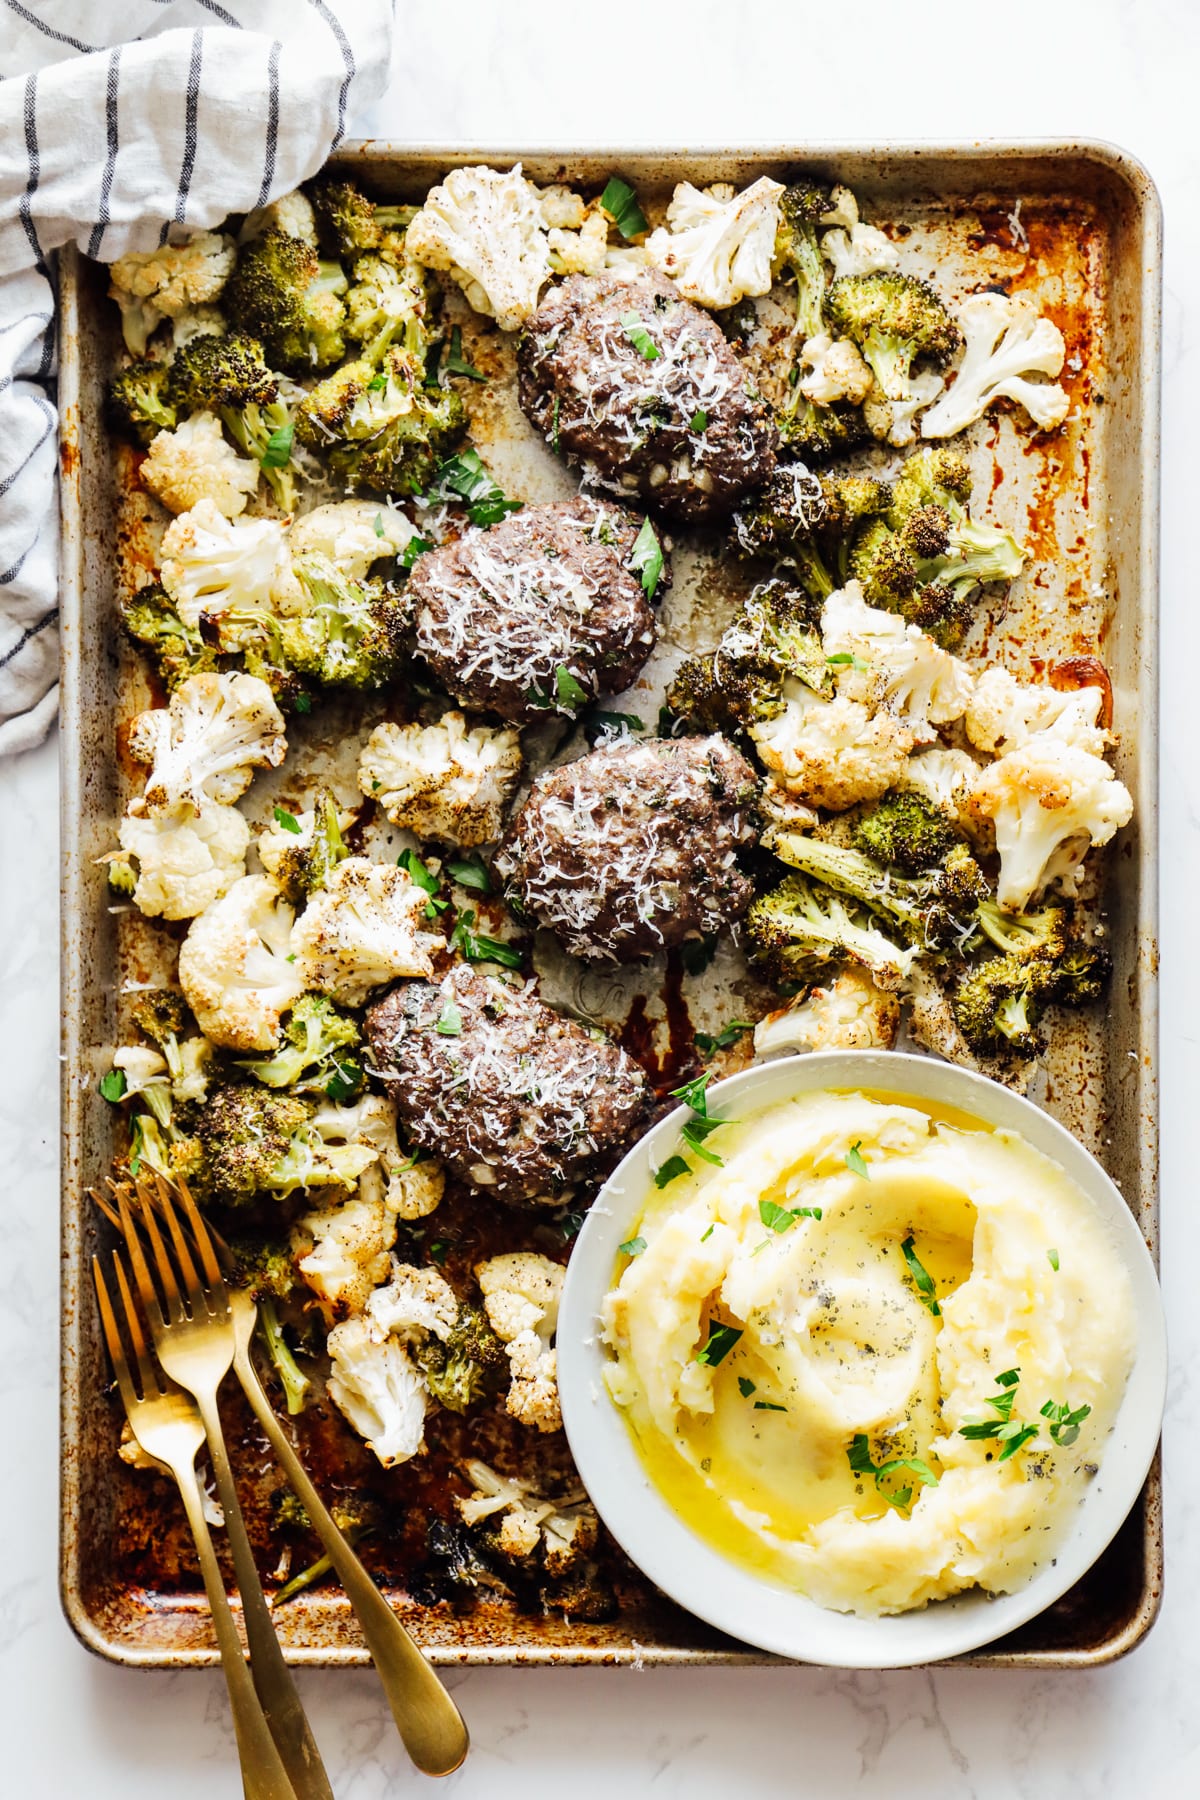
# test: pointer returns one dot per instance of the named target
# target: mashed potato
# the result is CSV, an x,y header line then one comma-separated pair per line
x,y
859,1281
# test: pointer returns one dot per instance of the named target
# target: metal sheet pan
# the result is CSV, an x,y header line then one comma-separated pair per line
x,y
1079,223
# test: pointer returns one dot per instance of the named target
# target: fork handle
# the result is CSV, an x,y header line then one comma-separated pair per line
x,y
271,1676
430,1724
263,1774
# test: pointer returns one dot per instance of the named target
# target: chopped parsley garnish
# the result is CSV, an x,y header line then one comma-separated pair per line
x,y
670,1171
861,1463
449,1020
694,1134
597,723
303,703
922,1279
699,420
768,1406
843,659
456,362
464,478
1064,1423
705,1235
647,558
632,1246
727,1036
377,383
415,869
470,872
288,820
569,691
477,948
721,1339
379,531
745,1386
621,204
782,1218
416,546
697,953
853,1160
692,1093
639,337
278,452
345,1081
1052,1259
439,1250
113,1086
1006,1430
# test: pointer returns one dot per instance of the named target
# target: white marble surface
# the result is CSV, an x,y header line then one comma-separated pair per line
x,y
518,73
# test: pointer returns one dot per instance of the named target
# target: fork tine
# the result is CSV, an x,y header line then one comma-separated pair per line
x,y
106,1206
151,1386
166,1269
204,1244
191,1281
141,1269
112,1338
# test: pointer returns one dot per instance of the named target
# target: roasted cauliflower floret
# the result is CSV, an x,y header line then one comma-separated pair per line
x,y
206,743
832,753
343,1253
181,865
564,1530
858,249
484,227
836,371
1007,342
1049,801
1005,712
152,285
413,1305
362,930
443,781
883,661
299,851
193,463
378,1389
718,245
850,1013
209,563
352,533
944,777
520,1296
234,967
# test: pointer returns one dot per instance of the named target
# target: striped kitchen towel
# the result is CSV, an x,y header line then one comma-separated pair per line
x,y
119,125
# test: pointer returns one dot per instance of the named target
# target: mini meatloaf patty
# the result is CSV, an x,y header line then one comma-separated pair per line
x,y
640,388
511,1096
634,848
515,619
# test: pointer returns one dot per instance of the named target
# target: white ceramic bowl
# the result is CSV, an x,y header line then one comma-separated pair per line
x,y
746,1605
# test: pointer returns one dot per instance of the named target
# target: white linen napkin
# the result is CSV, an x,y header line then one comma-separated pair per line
x,y
117,124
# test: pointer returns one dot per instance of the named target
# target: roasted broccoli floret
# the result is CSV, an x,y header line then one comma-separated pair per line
x,y
266,1270
815,432
246,1133
387,307
293,1380
299,869
798,929
1045,959
798,249
228,376
150,619
348,223
379,430
933,911
471,1365
350,633
139,405
773,638
807,521
317,1036
894,319
907,831
281,293
925,557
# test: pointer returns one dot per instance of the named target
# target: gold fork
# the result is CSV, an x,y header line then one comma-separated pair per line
x,y
195,1345
168,1427
429,1723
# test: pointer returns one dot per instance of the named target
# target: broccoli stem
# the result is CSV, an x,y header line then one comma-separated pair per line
x,y
295,1382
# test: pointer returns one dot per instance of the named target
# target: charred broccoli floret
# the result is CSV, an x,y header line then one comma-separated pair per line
x,y
387,307
807,521
933,911
774,638
350,633
139,405
1044,959
471,1365
798,249
894,319
816,432
907,831
317,1037
281,293
299,870
266,1270
149,618
348,223
800,928
925,557
226,374
378,429
246,1133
